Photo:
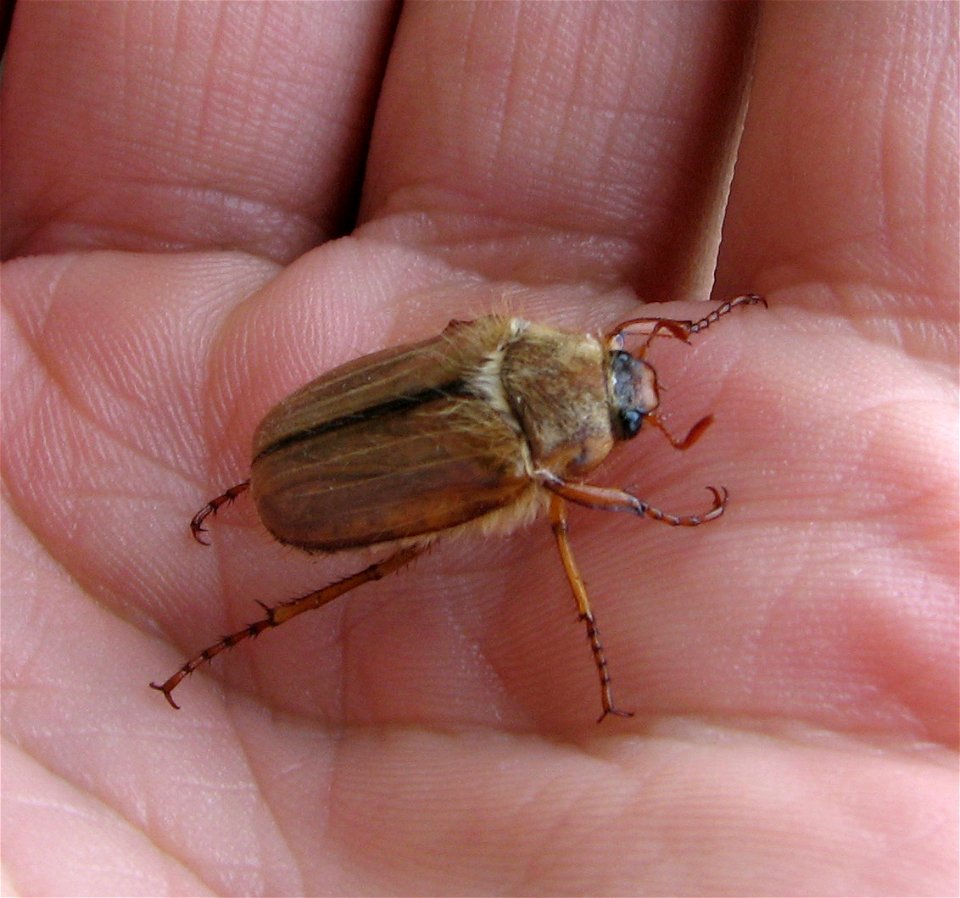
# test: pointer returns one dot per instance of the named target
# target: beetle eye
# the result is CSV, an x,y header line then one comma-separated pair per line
x,y
630,421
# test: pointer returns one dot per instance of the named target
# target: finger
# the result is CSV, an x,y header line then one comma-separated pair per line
x,y
845,205
848,168
188,126
559,141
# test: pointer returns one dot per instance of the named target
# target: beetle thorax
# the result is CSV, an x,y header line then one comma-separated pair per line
x,y
554,385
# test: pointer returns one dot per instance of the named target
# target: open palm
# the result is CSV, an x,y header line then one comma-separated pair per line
x,y
172,189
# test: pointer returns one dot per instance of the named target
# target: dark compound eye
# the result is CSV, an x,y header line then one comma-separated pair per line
x,y
630,421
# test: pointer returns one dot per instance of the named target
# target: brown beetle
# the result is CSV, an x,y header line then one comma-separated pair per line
x,y
481,427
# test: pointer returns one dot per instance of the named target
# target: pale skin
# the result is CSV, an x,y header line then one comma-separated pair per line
x,y
172,189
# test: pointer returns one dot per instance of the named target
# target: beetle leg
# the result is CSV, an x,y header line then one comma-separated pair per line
x,y
558,520
748,299
681,329
649,327
196,525
692,436
607,499
280,614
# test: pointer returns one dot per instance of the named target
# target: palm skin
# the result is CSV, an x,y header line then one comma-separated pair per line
x,y
171,191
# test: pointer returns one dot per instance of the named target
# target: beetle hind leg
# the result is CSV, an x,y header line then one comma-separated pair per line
x,y
196,525
280,614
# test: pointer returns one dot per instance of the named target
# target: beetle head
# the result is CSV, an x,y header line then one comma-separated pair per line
x,y
633,393
635,398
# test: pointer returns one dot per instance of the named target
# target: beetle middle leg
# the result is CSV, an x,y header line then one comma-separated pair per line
x,y
558,520
280,614
608,500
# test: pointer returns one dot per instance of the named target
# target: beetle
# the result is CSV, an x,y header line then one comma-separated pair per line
x,y
480,428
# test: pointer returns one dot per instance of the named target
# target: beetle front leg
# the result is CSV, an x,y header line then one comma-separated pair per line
x,y
682,329
607,499
558,520
748,299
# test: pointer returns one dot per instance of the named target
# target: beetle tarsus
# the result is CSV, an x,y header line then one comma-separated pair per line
x,y
196,525
720,499
747,299
167,689
616,712
603,669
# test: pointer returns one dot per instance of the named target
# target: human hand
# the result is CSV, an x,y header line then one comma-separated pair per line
x,y
172,186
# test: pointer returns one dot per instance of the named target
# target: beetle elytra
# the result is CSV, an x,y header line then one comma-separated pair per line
x,y
482,427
